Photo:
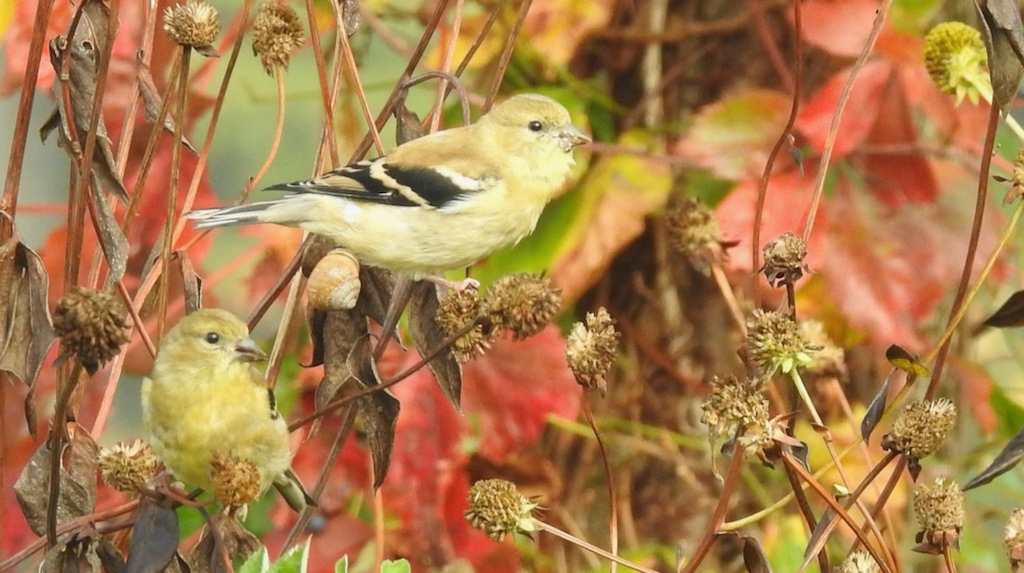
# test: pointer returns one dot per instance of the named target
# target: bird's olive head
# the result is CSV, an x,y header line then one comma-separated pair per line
x,y
212,333
538,117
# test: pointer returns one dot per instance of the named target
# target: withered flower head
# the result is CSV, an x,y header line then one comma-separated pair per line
x,y
128,465
733,403
784,259
921,428
955,56
775,342
940,515
523,303
235,482
1013,537
276,33
90,324
590,349
455,312
497,508
859,561
1017,181
693,231
194,23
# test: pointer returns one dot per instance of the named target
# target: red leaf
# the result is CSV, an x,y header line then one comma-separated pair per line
x,y
514,387
734,136
785,209
862,108
839,27
889,266
897,176
976,387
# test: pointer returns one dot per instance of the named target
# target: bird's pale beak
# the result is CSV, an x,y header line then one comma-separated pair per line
x,y
246,350
572,137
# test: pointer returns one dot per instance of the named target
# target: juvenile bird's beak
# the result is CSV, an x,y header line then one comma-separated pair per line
x,y
572,137
247,351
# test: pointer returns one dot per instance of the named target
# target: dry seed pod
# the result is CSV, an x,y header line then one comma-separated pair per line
x,y
334,283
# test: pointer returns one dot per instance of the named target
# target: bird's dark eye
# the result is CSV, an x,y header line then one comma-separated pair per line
x,y
212,337
535,125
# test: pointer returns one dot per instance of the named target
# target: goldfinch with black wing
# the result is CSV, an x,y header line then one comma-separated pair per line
x,y
205,398
443,201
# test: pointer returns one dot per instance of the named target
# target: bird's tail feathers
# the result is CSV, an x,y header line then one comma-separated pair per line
x,y
226,216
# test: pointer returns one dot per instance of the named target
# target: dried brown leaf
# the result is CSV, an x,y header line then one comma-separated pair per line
x,y
77,481
240,543
85,51
112,239
1004,37
28,332
154,538
152,101
427,335
192,283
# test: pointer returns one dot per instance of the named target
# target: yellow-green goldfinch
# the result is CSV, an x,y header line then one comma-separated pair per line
x,y
443,201
206,399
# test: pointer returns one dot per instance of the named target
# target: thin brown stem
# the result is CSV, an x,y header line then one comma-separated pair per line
x,y
541,526
506,53
56,442
613,504
711,532
972,247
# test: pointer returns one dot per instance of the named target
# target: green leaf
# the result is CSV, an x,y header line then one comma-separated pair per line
x,y
258,562
295,560
400,566
342,565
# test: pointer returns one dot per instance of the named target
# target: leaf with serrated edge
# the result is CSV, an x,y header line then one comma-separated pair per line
x,y
258,562
400,566
295,560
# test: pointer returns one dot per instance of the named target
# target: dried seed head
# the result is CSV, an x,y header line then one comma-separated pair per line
x,y
921,428
784,259
523,303
859,561
128,465
955,56
235,482
693,231
194,24
1017,182
774,342
455,312
735,402
497,508
1013,537
590,349
276,33
940,514
90,324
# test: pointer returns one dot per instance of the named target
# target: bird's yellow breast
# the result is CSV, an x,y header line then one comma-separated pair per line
x,y
194,414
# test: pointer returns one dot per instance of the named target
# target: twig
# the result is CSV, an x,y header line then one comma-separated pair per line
x,y
613,505
710,533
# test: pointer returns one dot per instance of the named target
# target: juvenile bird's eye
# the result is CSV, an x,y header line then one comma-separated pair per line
x,y
535,125
212,337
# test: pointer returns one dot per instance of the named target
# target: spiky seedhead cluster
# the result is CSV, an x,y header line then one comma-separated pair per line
x,y
955,56
1013,538
775,342
235,482
737,403
590,349
455,312
276,33
497,508
194,23
523,303
921,428
940,515
91,325
1017,181
784,259
693,231
128,465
